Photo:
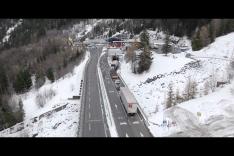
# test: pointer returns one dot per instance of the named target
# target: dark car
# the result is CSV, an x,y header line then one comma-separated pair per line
x,y
110,40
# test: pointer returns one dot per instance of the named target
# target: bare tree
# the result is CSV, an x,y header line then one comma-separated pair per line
x,y
213,80
170,96
206,88
178,97
190,90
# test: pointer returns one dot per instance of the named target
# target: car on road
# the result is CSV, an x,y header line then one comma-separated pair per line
x,y
117,84
117,81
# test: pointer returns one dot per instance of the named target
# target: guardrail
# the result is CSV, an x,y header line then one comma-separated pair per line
x,y
106,102
21,125
82,101
142,113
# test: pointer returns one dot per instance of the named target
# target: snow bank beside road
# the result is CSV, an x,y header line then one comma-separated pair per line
x,y
64,88
63,123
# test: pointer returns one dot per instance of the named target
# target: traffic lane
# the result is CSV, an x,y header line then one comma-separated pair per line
x,y
96,127
95,113
136,124
115,100
120,117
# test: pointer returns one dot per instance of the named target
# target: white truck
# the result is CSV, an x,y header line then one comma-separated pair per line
x,y
115,64
128,100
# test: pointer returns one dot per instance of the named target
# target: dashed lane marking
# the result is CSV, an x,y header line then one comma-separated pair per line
x,y
116,106
94,120
123,123
141,134
89,127
135,122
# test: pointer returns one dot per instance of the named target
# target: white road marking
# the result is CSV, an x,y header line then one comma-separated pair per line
x,y
120,117
111,91
89,127
89,99
141,134
136,122
99,93
127,135
89,105
95,120
89,115
123,123
116,106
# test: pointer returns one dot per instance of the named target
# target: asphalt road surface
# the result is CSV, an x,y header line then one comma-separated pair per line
x,y
94,121
127,126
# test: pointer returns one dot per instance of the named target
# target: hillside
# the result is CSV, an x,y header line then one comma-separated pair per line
x,y
205,65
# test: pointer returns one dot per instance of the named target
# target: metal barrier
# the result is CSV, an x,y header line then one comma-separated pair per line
x,y
82,101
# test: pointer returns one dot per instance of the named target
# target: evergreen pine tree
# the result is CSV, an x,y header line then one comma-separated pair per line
x,y
50,74
145,60
196,42
27,79
23,81
40,79
3,80
170,96
144,37
166,46
110,33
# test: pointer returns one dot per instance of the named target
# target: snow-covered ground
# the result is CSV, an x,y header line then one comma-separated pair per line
x,y
61,123
151,95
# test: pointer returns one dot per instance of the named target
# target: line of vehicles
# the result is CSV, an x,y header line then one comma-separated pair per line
x,y
126,97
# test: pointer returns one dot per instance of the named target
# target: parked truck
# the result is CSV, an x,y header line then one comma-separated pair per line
x,y
128,100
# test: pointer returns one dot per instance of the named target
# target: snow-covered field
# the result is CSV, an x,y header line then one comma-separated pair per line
x,y
151,96
63,123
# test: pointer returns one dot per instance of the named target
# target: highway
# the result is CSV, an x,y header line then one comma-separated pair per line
x,y
93,118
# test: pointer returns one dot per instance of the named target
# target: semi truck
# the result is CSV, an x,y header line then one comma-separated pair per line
x,y
113,74
115,64
128,100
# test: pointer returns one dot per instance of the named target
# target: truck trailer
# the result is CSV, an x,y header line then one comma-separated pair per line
x,y
128,100
115,64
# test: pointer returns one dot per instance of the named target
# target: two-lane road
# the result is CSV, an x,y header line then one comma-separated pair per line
x,y
94,122
93,119
127,126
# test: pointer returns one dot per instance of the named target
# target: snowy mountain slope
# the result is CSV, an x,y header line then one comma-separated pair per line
x,y
10,30
151,95
216,116
63,123
64,88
